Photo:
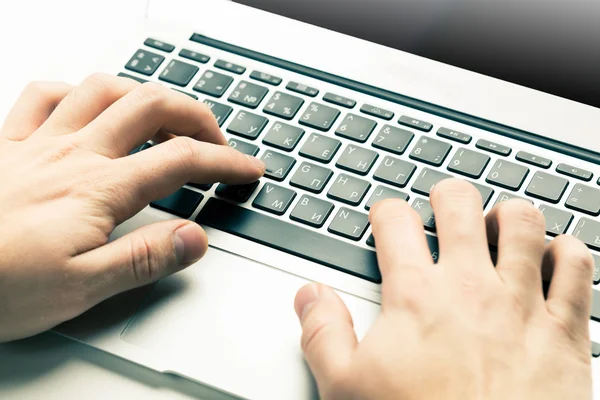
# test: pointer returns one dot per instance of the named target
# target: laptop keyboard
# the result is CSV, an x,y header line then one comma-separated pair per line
x,y
330,158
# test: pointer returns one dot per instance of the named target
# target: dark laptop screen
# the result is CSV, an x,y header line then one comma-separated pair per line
x,y
552,46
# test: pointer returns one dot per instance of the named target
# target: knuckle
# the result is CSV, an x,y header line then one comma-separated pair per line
x,y
36,88
521,212
152,94
391,209
455,191
185,148
573,251
144,262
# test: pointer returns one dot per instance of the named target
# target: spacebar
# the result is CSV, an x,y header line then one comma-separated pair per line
x,y
290,238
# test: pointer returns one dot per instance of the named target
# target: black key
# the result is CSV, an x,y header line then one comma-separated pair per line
x,y
393,139
144,62
248,94
243,147
290,238
505,196
454,135
493,147
432,242
349,224
394,171
348,189
311,177
574,172
182,203
227,66
547,187
357,159
274,199
135,78
486,193
178,73
158,45
201,186
595,305
377,112
213,83
430,151
557,221
302,89
339,100
311,211
220,111
371,240
193,96
143,147
356,128
266,78
507,175
427,179
239,193
469,163
381,193
283,136
585,199
192,55
415,123
588,231
278,165
425,211
596,268
532,159
319,116
283,105
595,349
247,125
320,148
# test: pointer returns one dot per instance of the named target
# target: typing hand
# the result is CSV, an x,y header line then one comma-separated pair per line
x,y
67,182
459,329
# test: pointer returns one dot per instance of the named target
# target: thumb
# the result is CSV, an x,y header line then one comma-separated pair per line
x,y
141,257
328,337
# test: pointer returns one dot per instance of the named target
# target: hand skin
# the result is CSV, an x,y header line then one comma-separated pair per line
x,y
459,329
68,181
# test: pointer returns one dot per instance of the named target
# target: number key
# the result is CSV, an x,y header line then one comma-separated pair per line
x,y
469,163
393,139
356,128
213,83
319,116
248,94
430,151
585,199
507,175
283,105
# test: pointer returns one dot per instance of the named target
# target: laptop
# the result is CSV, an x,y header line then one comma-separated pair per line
x,y
347,103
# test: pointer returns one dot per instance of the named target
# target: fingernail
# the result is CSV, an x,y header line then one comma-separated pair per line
x,y
306,299
257,163
190,244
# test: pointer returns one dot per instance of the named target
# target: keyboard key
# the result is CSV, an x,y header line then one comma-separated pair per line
x,y
319,116
283,105
239,193
356,128
596,268
394,171
182,203
505,196
588,231
377,112
243,147
227,66
415,123
532,159
348,189
339,100
486,193
349,224
135,78
469,163
143,147
144,62
393,139
290,238
507,175
302,89
357,159
202,186
595,305
427,180
381,193
320,148
158,45
557,221
493,147
278,165
425,211
432,243
220,111
247,125
574,172
283,136
192,55
213,83
371,240
248,94
595,350
266,78
585,199
178,73
274,199
311,177
547,187
430,151
311,211
454,135
193,96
